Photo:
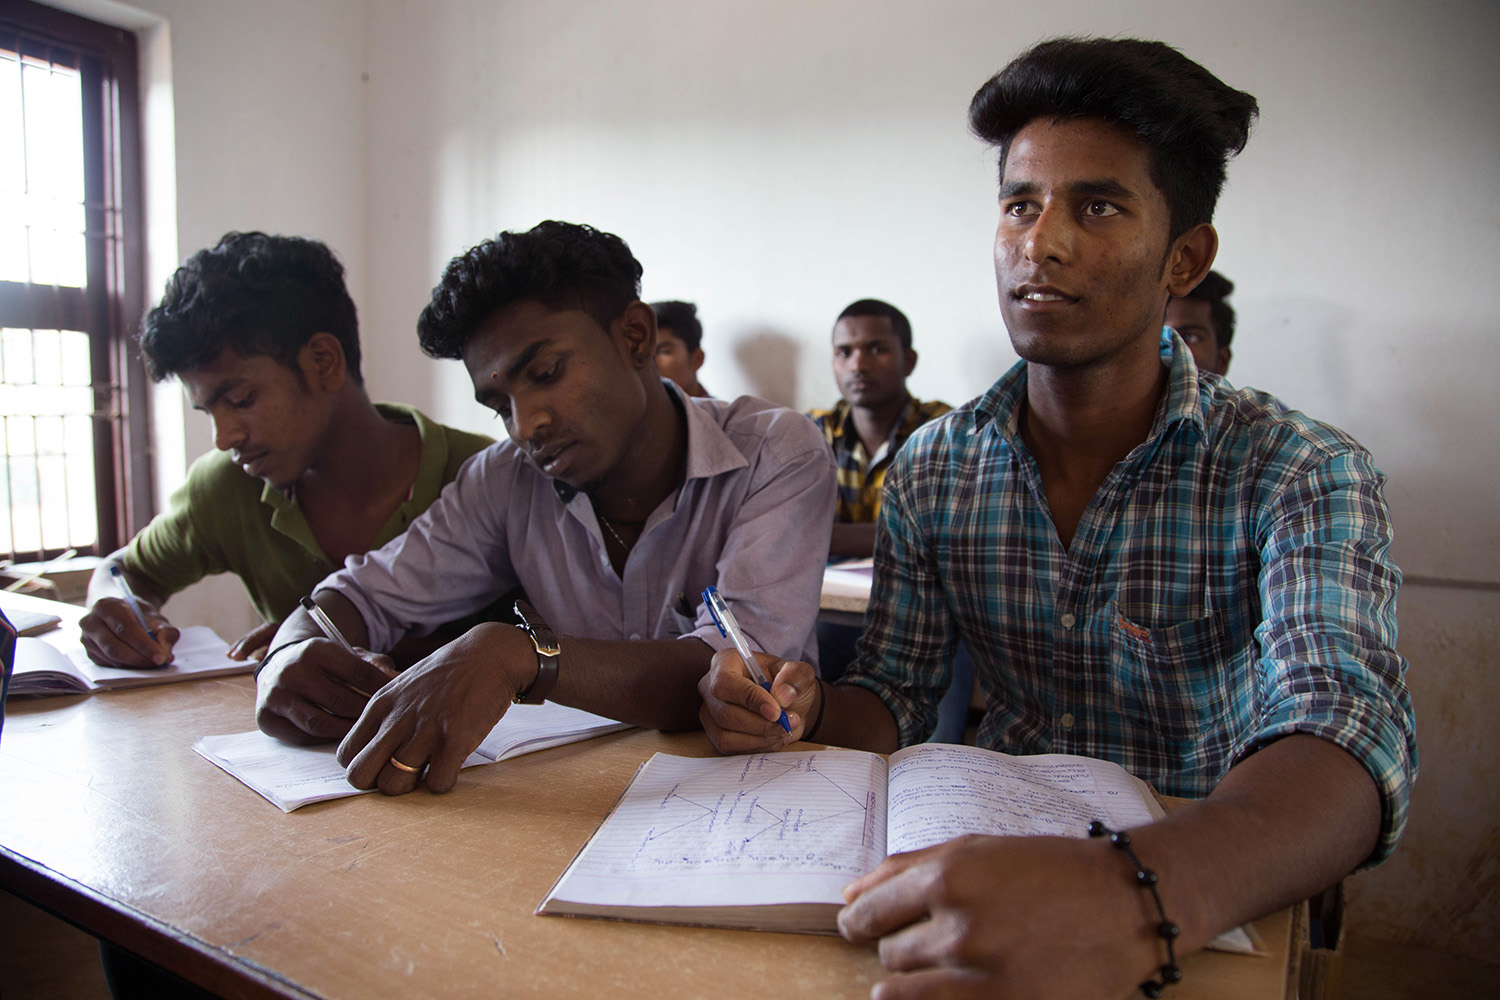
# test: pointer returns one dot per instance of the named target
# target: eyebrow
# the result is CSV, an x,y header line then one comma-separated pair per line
x,y
219,392
490,391
1102,188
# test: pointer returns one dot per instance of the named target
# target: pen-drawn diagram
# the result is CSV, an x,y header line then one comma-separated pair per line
x,y
753,813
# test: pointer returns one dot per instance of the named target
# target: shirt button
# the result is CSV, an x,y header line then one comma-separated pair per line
x,y
1066,721
1068,621
635,636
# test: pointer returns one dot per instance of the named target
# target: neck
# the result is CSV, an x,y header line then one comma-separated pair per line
x,y
652,468
362,449
1081,421
875,423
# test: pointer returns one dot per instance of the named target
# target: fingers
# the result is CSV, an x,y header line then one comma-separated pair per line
x,y
252,645
317,687
738,715
888,906
886,870
951,984
114,638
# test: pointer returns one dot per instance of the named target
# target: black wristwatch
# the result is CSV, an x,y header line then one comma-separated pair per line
x,y
547,652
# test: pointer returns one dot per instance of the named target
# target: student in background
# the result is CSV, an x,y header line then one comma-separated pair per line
x,y
679,345
615,502
1204,319
262,334
872,359
1147,566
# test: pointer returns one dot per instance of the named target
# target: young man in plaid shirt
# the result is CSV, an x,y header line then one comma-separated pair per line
x,y
1147,565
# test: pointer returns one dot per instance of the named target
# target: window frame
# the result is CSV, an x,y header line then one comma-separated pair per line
x,y
109,308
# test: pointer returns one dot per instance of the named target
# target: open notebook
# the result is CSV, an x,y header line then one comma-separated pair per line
x,y
42,668
291,776
768,842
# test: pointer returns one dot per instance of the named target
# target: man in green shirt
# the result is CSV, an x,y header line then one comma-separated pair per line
x,y
263,336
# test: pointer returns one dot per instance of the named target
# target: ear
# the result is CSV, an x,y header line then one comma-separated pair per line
x,y
322,359
1190,259
696,358
1224,355
911,363
636,328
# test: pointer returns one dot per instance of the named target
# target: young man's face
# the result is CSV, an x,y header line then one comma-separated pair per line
x,y
675,361
1081,245
270,417
868,362
570,392
1193,319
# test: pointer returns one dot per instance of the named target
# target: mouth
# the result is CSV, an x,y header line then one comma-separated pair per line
x,y
1041,296
251,463
550,458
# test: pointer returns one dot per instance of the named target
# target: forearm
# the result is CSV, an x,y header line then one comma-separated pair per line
x,y
855,717
853,540
102,584
300,625
1283,824
651,683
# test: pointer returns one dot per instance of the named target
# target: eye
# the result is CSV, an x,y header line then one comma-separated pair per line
x,y
1017,209
548,374
1100,209
242,402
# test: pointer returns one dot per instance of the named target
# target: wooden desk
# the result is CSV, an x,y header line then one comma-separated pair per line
x,y
111,821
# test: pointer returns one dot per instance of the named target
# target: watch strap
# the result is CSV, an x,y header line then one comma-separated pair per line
x,y
544,640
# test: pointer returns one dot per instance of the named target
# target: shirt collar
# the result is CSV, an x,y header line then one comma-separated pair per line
x,y
1183,401
710,452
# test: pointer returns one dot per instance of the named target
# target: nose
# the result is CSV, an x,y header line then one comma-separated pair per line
x,y
1050,236
528,423
229,430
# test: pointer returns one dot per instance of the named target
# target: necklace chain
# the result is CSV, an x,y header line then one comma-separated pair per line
x,y
613,533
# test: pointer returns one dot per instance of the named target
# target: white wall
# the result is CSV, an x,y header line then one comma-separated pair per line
x,y
775,159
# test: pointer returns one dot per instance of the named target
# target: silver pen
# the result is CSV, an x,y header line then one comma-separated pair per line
x,y
326,624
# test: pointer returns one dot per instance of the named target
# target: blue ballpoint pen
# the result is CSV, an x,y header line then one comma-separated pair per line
x,y
132,600
724,618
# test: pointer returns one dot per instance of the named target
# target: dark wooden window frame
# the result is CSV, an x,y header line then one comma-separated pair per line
x,y
110,308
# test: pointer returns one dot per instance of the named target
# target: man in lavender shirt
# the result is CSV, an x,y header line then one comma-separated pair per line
x,y
615,502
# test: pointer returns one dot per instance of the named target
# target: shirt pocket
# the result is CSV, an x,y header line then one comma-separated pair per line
x,y
1172,680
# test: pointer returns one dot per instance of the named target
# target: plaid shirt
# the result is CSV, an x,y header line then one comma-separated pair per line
x,y
860,476
1230,583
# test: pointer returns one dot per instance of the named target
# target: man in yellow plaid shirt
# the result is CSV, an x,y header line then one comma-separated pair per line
x,y
872,357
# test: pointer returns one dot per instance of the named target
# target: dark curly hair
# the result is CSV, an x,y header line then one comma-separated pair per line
x,y
562,265
1215,289
682,319
1189,119
253,294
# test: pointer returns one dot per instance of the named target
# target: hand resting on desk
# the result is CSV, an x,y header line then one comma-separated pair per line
x,y
114,638
312,691
1030,917
438,711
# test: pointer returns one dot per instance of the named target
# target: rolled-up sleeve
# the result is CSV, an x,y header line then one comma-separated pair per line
x,y
450,563
1329,665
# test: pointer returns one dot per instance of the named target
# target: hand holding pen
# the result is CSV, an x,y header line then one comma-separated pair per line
x,y
119,632
724,618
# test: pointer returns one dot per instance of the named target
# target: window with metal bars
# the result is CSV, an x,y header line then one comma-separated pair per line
x,y
76,471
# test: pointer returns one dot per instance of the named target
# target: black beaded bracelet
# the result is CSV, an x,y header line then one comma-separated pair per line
x,y
822,704
1146,878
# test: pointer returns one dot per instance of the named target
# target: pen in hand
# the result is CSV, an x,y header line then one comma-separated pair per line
x,y
332,631
132,600
326,624
724,618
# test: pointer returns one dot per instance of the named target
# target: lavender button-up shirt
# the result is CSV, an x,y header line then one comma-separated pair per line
x,y
752,517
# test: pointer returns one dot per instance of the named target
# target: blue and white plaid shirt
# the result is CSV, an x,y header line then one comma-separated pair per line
x,y
1229,584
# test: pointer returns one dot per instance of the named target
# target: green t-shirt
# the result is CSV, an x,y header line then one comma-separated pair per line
x,y
223,520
